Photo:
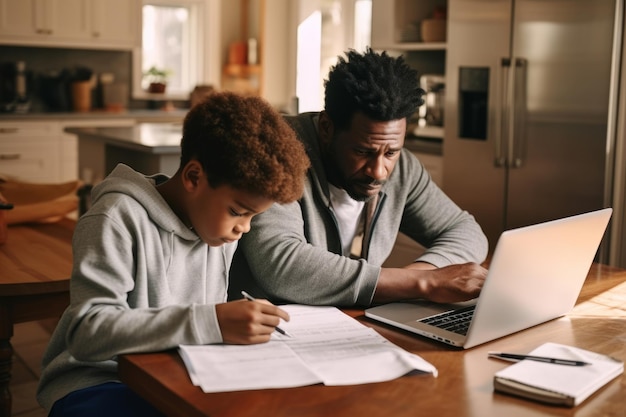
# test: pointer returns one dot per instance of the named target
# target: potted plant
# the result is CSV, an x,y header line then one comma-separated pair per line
x,y
157,79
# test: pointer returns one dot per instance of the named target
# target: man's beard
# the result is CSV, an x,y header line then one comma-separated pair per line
x,y
358,196
336,177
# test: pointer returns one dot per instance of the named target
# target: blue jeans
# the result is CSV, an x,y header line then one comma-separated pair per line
x,y
105,400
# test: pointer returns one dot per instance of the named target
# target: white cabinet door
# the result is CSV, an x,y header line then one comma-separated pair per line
x,y
24,19
70,20
43,21
116,22
111,24
31,151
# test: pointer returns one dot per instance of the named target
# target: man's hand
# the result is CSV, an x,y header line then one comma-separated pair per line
x,y
449,284
247,322
452,283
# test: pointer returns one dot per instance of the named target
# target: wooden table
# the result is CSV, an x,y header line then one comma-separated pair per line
x,y
463,388
35,266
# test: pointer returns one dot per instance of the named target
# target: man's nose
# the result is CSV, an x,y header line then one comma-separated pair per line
x,y
376,168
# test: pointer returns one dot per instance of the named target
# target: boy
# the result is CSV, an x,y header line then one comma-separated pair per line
x,y
151,256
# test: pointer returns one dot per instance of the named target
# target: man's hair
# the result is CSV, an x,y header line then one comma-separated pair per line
x,y
383,88
243,142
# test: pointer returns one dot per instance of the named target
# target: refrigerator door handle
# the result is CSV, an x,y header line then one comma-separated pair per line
x,y
503,130
515,157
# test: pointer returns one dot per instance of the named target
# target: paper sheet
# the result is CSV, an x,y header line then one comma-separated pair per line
x,y
326,346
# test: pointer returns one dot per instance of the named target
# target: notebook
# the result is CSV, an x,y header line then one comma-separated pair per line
x,y
555,384
535,275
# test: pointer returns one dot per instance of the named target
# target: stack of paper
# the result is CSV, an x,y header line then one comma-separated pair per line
x,y
558,384
326,346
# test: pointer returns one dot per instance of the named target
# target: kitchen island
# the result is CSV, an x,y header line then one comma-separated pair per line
x,y
149,148
155,148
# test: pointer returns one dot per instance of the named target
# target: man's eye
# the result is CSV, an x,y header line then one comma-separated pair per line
x,y
392,153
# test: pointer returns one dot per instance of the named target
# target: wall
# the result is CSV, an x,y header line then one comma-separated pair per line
x,y
278,53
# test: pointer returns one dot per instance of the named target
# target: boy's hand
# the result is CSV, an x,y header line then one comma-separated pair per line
x,y
247,322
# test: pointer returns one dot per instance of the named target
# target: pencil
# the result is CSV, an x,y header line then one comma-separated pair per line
x,y
251,298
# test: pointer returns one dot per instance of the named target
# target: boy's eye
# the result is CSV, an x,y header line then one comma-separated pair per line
x,y
235,213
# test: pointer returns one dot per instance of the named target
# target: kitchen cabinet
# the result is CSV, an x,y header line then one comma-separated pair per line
x,y
41,150
146,147
116,23
396,28
88,156
36,152
107,24
396,24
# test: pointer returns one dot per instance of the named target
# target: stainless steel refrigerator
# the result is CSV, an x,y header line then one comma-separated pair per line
x,y
529,108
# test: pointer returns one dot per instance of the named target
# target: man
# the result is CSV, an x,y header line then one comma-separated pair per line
x,y
362,188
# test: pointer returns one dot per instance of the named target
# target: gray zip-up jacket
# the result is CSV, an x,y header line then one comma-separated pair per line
x,y
141,282
293,252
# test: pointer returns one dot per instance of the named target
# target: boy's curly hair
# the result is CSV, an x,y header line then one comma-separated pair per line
x,y
380,86
243,142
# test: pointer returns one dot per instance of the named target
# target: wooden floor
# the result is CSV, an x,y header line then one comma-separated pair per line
x,y
29,342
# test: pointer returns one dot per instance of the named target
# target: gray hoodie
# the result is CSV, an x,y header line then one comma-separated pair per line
x,y
141,282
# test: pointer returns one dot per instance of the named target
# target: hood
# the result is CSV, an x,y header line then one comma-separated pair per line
x,y
142,189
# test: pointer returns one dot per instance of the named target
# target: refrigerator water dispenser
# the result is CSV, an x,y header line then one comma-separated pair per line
x,y
473,102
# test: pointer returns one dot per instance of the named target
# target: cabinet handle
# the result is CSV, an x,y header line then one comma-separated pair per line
x,y
8,129
10,156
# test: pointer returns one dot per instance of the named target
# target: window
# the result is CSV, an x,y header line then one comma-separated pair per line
x,y
333,27
174,35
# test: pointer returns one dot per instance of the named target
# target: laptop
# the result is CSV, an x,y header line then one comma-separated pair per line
x,y
535,275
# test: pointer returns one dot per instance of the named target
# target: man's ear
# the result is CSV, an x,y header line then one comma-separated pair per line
x,y
326,130
191,175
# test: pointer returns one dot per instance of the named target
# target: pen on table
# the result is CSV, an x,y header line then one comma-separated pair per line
x,y
251,298
513,357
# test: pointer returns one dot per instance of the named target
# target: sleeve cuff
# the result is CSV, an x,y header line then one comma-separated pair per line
x,y
206,325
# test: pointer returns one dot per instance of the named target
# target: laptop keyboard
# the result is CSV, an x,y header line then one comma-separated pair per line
x,y
456,321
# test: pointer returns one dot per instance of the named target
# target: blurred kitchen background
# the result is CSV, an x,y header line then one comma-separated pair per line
x,y
524,118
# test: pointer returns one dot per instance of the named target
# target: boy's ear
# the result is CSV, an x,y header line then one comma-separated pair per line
x,y
192,172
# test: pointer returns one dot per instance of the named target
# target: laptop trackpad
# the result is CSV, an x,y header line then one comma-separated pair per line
x,y
410,311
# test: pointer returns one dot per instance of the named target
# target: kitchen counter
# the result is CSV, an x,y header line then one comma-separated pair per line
x,y
151,138
155,147
424,145
140,115
149,148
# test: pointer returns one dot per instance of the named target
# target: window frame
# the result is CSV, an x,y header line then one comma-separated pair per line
x,y
204,56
